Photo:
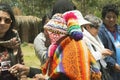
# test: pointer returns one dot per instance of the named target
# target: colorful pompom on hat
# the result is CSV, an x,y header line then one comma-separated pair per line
x,y
74,20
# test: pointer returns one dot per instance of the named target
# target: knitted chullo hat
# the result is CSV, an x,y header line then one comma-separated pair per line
x,y
57,24
56,28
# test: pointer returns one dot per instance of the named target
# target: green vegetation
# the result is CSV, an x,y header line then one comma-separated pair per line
x,y
40,7
30,58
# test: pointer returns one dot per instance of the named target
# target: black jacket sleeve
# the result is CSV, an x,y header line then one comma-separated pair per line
x,y
34,71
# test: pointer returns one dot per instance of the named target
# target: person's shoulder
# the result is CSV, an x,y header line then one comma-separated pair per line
x,y
118,25
118,28
102,26
40,36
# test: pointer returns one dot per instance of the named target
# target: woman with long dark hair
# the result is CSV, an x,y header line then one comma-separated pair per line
x,y
10,51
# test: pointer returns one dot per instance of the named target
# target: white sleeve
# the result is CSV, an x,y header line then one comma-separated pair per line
x,y
40,48
96,54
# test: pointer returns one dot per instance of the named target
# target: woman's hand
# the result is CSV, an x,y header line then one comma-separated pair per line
x,y
12,43
39,77
19,69
117,67
15,43
107,52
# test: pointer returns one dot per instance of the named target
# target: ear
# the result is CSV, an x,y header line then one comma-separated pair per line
x,y
87,26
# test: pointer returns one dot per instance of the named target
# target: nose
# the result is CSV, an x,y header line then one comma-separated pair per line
x,y
2,22
112,19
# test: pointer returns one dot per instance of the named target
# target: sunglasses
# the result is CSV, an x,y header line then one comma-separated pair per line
x,y
95,26
6,20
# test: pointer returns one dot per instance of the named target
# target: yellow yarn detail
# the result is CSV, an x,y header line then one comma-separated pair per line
x,y
72,22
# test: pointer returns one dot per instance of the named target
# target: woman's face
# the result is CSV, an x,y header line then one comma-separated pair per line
x,y
110,19
5,22
93,31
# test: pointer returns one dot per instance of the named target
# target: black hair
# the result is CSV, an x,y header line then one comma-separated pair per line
x,y
110,8
62,6
44,18
8,9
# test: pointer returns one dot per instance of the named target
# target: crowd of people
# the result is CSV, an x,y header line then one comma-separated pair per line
x,y
69,46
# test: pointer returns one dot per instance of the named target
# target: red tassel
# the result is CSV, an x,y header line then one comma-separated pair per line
x,y
69,15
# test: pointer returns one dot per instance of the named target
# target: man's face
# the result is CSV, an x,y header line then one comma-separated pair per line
x,y
110,19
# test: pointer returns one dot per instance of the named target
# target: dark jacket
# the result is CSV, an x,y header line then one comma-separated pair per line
x,y
9,56
107,42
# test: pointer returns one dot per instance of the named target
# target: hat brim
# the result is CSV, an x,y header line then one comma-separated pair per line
x,y
83,22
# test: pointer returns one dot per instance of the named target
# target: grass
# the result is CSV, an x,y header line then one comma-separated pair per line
x,y
30,58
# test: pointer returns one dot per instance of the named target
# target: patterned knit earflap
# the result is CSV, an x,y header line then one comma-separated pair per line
x,y
56,28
